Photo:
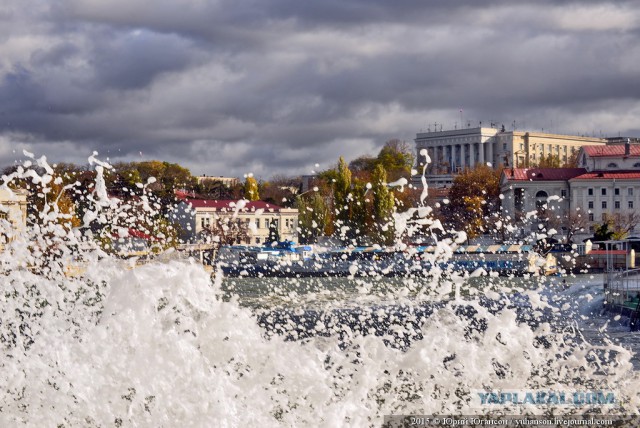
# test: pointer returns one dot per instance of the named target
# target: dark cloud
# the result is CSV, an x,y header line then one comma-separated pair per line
x,y
228,87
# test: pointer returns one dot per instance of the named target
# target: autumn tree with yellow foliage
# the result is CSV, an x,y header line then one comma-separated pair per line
x,y
473,198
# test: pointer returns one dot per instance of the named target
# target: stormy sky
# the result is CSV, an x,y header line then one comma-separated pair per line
x,y
227,87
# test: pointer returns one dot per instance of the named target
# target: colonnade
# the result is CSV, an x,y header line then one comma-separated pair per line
x,y
451,158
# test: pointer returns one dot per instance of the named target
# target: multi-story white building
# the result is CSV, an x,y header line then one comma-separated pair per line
x,y
13,214
454,150
257,218
605,189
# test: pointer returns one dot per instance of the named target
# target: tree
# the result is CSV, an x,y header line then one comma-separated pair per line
x,y
363,164
165,178
396,158
572,160
280,190
623,223
313,217
250,189
572,223
602,232
474,196
274,233
383,206
226,231
214,189
549,161
341,191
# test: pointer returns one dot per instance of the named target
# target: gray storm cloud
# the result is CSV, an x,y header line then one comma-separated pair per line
x,y
227,87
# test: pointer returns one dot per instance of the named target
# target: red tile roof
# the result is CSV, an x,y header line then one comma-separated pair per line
x,y
542,174
602,252
612,150
230,205
618,175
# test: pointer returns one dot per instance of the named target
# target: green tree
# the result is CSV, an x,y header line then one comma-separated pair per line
x,y
363,164
602,232
383,206
397,158
313,217
341,192
250,189
274,233
548,161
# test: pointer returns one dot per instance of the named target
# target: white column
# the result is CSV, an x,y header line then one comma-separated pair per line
x,y
481,153
462,160
456,163
490,152
472,157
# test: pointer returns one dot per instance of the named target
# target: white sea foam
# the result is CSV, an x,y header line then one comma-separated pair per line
x,y
158,345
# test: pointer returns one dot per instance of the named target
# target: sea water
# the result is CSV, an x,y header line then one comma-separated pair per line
x,y
168,344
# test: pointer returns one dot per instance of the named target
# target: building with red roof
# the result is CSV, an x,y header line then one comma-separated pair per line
x,y
606,189
239,221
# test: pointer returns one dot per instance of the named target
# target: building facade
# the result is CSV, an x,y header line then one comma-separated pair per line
x,y
13,214
454,150
605,190
226,181
257,219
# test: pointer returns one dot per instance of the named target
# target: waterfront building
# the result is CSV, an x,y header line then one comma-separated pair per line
x,y
226,181
452,151
13,214
258,220
606,188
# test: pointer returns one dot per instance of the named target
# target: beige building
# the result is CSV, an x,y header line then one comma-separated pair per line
x,y
257,218
226,181
13,213
606,188
454,150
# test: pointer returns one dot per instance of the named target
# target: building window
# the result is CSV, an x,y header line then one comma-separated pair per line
x,y
636,165
257,240
630,191
604,205
612,165
630,204
616,205
590,216
590,192
604,191
616,191
604,217
563,193
590,205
